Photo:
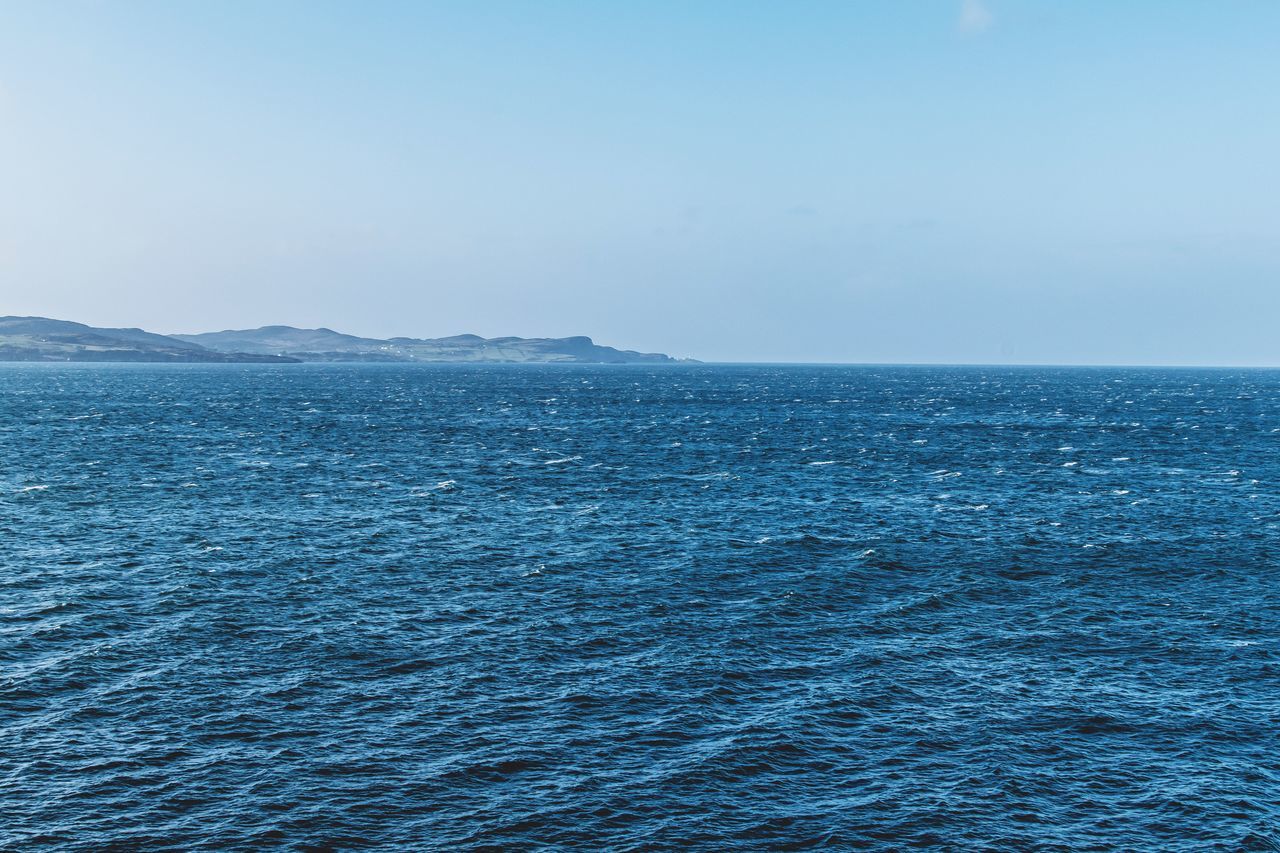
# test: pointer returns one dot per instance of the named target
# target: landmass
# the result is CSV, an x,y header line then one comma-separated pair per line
x,y
328,345
42,339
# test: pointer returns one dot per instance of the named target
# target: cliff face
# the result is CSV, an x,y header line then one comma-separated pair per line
x,y
42,339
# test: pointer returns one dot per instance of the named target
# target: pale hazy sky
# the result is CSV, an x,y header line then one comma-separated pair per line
x,y
980,181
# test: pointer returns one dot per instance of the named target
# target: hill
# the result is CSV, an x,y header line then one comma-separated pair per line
x,y
42,339
328,345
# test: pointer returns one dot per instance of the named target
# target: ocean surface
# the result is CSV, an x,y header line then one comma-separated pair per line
x,y
625,608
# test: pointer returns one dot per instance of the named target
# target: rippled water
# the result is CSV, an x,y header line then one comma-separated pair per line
x,y
701,607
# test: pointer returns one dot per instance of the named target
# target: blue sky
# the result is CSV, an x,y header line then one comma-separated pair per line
x,y
937,181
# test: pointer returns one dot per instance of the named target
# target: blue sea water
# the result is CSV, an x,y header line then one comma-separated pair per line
x,y
698,607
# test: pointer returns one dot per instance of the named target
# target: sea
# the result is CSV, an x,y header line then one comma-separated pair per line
x,y
696,607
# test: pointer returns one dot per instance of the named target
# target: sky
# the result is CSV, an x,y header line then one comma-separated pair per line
x,y
957,181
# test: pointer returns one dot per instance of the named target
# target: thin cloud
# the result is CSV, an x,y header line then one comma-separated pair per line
x,y
975,17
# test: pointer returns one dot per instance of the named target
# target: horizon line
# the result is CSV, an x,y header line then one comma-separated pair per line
x,y
686,360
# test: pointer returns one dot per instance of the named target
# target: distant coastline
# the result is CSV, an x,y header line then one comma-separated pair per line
x,y
40,339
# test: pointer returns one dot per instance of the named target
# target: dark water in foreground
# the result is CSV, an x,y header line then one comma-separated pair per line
x,y
702,607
